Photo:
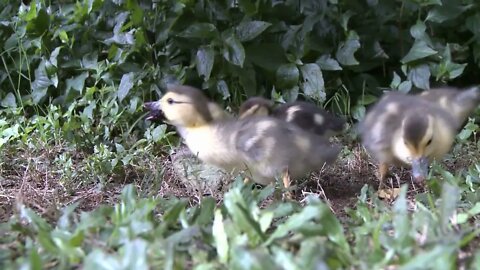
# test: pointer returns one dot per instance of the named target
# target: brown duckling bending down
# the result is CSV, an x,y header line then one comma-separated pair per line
x,y
407,130
265,147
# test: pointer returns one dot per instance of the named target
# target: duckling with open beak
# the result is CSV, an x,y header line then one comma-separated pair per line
x,y
265,147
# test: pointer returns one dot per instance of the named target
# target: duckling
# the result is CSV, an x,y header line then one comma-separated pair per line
x,y
303,114
460,103
407,130
265,147
215,110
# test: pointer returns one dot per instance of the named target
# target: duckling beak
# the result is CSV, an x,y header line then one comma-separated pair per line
x,y
155,112
420,169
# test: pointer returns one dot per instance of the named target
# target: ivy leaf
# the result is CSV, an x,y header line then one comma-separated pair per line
x,y
9,101
247,31
90,61
41,78
32,12
40,24
287,76
248,6
233,51
269,56
358,112
313,84
472,23
88,111
418,30
455,70
54,56
446,68
326,62
425,3
367,99
395,81
346,50
204,61
125,85
120,37
200,30
77,83
41,83
345,18
405,86
222,88
159,133
248,80
420,76
419,50
447,11
291,95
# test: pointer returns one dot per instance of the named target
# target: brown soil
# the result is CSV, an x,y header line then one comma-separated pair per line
x,y
30,179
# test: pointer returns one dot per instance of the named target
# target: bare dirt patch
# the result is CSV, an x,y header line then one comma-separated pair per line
x,y
34,179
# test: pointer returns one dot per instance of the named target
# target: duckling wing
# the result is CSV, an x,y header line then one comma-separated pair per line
x,y
381,121
270,146
459,103
309,117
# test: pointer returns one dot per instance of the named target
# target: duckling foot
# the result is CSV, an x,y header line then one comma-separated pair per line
x,y
383,172
286,185
388,193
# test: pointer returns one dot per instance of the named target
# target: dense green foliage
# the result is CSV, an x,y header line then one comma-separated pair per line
x,y
128,50
240,235
74,75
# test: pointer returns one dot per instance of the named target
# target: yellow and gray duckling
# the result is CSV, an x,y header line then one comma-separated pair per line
x,y
265,147
300,113
216,112
407,130
459,103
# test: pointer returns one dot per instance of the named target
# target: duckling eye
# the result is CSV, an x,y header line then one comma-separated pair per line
x,y
429,142
170,101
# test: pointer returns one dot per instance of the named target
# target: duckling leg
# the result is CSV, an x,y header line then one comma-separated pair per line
x,y
387,193
383,171
286,185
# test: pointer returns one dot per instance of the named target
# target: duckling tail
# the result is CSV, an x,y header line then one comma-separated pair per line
x,y
337,124
470,95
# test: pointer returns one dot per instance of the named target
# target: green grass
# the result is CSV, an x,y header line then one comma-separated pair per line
x,y
65,210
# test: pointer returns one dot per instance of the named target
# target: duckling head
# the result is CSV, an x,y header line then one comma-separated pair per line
x,y
182,106
416,143
258,106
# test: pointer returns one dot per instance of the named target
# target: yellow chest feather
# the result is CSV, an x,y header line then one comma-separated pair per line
x,y
210,146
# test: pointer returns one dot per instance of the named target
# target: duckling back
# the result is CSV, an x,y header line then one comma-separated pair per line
x,y
269,146
460,103
305,115
255,106
310,118
217,112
